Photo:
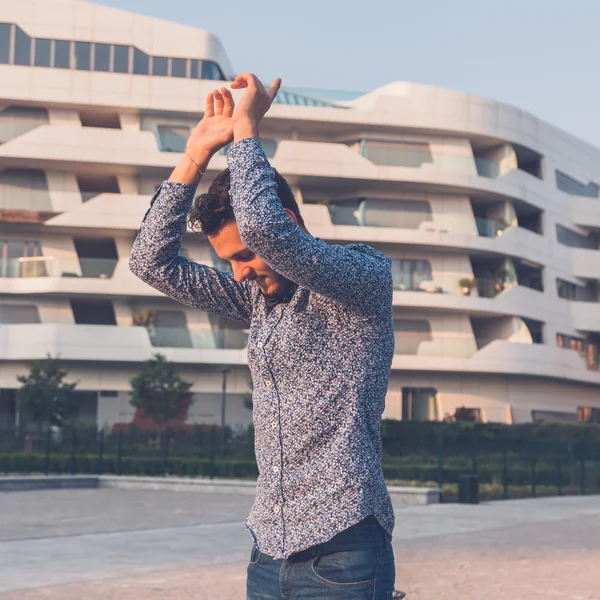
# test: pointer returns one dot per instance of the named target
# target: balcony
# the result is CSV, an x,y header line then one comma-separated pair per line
x,y
49,266
200,339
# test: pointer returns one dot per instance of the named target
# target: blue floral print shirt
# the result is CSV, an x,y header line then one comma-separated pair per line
x,y
320,363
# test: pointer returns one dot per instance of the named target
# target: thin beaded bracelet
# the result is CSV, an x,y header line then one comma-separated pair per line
x,y
195,163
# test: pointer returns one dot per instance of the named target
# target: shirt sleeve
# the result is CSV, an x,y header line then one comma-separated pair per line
x,y
355,274
155,259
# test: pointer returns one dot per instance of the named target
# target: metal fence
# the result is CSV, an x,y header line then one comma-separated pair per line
x,y
507,465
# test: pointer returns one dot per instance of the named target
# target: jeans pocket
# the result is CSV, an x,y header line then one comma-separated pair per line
x,y
353,568
255,555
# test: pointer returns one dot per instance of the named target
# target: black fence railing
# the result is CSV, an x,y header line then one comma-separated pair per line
x,y
510,462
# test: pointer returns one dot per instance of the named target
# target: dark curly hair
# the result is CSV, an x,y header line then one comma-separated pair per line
x,y
212,211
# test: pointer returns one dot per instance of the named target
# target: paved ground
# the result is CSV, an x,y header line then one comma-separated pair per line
x,y
105,544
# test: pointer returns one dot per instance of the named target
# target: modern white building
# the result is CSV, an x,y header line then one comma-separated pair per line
x,y
492,218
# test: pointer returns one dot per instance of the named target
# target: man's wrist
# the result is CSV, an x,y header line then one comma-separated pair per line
x,y
244,130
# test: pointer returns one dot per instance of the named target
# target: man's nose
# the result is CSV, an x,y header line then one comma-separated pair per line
x,y
240,273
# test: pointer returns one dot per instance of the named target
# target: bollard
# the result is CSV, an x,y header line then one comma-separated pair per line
x,y
213,439
505,467
440,470
119,452
100,467
165,452
47,451
73,452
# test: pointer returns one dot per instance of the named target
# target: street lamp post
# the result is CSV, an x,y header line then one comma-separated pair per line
x,y
225,371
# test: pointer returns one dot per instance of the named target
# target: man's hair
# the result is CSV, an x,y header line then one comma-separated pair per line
x,y
212,211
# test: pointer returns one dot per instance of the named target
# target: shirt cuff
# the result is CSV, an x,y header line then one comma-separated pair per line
x,y
246,153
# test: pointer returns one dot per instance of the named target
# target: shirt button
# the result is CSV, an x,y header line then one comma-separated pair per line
x,y
259,345
276,509
275,469
269,383
274,424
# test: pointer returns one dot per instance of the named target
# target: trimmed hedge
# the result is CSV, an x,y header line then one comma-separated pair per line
x,y
201,467
140,465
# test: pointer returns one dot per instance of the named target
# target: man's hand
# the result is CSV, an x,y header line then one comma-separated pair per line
x,y
215,130
253,106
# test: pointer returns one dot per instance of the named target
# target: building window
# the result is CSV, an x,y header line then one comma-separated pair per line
x,y
17,314
93,312
576,188
574,239
410,334
17,120
178,67
194,69
109,394
588,414
172,139
24,189
396,154
567,290
121,59
141,62
160,66
19,258
22,48
211,71
102,58
83,56
409,274
420,404
5,37
62,54
42,55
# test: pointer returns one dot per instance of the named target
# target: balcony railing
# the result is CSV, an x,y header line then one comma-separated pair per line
x,y
200,339
490,227
450,345
48,266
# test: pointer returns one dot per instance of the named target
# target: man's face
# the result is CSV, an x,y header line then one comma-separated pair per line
x,y
244,263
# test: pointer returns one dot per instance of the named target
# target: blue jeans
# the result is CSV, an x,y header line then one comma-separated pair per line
x,y
356,564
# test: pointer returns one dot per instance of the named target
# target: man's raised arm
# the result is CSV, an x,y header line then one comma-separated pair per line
x,y
155,254
355,274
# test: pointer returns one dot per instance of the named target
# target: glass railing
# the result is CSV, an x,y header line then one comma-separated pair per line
x,y
476,287
450,345
489,227
200,339
48,266
403,155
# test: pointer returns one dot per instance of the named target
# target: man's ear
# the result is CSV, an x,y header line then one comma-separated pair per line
x,y
291,215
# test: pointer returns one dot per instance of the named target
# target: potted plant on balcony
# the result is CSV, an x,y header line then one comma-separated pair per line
x,y
502,275
467,285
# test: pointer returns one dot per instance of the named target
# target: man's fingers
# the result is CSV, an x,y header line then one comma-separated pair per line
x,y
272,91
219,103
209,111
244,80
229,104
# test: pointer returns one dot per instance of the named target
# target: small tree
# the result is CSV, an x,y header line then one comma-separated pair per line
x,y
159,391
44,398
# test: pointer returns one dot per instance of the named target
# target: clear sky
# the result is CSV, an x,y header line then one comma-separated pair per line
x,y
540,55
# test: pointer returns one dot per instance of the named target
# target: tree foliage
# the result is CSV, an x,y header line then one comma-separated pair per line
x,y
44,398
159,391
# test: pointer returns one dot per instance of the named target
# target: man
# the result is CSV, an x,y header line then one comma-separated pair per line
x,y
320,349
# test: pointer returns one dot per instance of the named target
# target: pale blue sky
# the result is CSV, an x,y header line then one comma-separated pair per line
x,y
539,55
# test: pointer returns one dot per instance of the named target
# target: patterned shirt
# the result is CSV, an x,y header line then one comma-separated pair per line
x,y
320,363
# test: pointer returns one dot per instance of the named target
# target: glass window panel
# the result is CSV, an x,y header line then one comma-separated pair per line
x,y
62,54
195,71
42,53
121,61
172,139
22,47
160,66
83,56
178,67
102,57
141,62
4,43
211,71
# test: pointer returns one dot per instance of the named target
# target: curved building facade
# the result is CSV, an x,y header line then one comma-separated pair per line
x,y
491,217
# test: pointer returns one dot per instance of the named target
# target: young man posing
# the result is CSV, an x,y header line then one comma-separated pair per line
x,y
320,349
